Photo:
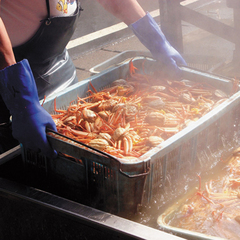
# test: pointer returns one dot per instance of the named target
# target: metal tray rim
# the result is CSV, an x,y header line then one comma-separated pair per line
x,y
172,142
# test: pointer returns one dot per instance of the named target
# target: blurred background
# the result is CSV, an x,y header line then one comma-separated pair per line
x,y
204,31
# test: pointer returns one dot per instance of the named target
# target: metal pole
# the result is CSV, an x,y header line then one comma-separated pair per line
x,y
170,20
10,154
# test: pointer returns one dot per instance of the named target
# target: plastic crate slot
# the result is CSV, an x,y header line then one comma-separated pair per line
x,y
41,161
29,157
155,179
213,133
203,152
185,157
227,127
202,139
165,159
201,148
194,151
97,173
100,169
172,166
157,169
108,173
93,168
37,160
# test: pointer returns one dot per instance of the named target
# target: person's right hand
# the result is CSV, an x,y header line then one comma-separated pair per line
x,y
29,119
30,130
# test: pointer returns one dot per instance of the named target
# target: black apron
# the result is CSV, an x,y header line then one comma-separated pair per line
x,y
47,55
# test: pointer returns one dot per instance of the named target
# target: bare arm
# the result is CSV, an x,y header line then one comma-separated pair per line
x,y
129,11
6,53
148,32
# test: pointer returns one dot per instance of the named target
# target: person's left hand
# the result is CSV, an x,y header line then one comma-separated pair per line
x,y
151,36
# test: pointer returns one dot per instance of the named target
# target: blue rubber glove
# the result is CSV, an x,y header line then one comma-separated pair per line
x,y
29,118
150,35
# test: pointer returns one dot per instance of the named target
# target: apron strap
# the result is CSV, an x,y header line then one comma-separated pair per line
x,y
48,21
48,8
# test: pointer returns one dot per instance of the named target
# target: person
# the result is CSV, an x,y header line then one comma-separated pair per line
x,y
34,61
148,32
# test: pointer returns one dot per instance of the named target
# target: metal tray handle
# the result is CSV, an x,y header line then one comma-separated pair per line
x,y
135,175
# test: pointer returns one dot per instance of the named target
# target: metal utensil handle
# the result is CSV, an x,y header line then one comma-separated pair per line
x,y
135,175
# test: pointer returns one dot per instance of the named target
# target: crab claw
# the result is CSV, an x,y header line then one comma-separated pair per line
x,y
131,67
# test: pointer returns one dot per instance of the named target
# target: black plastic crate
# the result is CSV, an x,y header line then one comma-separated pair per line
x,y
118,186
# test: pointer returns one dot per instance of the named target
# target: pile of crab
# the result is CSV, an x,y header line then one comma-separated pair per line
x,y
214,210
136,114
